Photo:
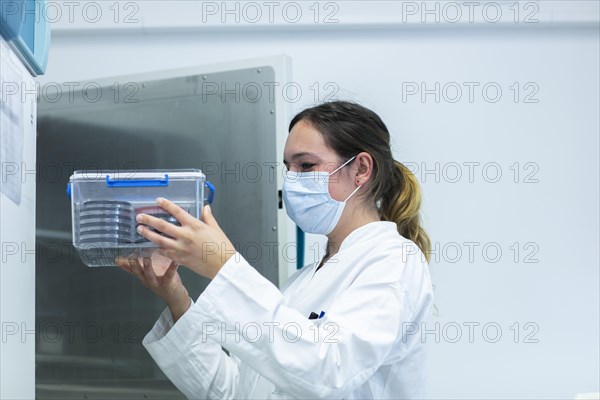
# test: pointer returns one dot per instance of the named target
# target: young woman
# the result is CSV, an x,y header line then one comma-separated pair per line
x,y
348,326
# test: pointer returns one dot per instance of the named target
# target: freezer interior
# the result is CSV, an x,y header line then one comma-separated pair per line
x,y
91,321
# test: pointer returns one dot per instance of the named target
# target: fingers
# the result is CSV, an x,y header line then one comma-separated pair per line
x,y
149,273
136,269
171,271
161,241
208,217
123,263
171,254
160,225
176,211
146,274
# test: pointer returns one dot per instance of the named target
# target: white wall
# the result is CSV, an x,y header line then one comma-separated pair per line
x,y
552,213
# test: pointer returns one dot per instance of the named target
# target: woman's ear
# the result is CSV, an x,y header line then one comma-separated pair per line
x,y
364,168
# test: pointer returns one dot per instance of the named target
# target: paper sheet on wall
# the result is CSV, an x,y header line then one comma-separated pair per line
x,y
11,130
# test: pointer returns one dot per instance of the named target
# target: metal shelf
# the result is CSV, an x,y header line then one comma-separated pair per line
x,y
54,234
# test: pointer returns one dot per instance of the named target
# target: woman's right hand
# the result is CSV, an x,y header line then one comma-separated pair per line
x,y
166,284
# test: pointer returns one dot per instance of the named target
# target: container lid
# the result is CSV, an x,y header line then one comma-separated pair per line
x,y
141,178
131,175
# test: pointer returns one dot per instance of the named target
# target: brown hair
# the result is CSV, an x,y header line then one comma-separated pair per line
x,y
349,128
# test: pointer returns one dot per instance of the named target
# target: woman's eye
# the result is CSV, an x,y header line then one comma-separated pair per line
x,y
306,166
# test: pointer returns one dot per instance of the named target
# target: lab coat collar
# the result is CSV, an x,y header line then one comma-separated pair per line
x,y
367,230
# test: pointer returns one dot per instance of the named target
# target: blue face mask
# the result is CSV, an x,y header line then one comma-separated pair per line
x,y
308,202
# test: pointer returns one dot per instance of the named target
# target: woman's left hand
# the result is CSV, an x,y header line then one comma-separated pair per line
x,y
199,245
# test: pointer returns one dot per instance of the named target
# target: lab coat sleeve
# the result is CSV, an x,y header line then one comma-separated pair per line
x,y
325,358
198,367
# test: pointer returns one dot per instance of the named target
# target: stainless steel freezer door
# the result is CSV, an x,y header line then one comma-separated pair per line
x,y
92,320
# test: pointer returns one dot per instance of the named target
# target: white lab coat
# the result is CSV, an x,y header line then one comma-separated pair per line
x,y
376,293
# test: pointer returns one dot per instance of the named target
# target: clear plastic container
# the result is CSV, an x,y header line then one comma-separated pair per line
x,y
104,205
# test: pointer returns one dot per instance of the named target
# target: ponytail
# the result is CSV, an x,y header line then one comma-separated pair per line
x,y
401,205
